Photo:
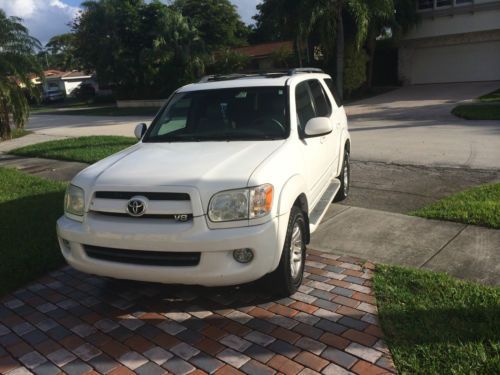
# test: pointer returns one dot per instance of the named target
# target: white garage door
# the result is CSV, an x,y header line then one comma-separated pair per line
x,y
458,63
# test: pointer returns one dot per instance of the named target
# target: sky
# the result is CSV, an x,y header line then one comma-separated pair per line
x,y
46,18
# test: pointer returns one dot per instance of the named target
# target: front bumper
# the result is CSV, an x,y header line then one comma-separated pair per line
x,y
216,267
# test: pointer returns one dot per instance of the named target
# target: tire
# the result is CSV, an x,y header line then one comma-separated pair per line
x,y
287,278
345,179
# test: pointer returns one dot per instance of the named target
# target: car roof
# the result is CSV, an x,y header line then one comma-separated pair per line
x,y
252,81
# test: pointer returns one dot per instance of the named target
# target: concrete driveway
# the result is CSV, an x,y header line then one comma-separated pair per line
x,y
413,125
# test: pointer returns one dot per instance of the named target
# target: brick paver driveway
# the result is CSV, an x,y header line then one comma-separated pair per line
x,y
73,323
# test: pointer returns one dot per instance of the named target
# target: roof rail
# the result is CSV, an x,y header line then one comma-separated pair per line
x,y
226,77
267,74
291,72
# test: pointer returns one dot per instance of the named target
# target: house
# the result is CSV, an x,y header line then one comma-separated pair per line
x,y
455,41
66,82
263,56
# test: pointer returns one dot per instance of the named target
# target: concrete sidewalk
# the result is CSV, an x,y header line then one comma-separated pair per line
x,y
27,140
464,251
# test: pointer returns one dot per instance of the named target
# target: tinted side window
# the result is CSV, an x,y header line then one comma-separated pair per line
x,y
333,90
321,102
305,109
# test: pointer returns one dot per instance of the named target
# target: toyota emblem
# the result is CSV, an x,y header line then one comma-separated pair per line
x,y
136,206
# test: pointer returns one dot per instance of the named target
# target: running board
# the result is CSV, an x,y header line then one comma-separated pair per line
x,y
323,204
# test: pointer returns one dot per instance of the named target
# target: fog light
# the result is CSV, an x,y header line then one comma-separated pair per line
x,y
243,255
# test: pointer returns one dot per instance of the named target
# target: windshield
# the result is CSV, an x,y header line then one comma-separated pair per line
x,y
244,113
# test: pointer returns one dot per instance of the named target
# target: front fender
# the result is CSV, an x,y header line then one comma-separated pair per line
x,y
292,189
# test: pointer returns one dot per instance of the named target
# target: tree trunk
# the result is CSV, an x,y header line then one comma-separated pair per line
x,y
372,45
340,51
298,48
4,122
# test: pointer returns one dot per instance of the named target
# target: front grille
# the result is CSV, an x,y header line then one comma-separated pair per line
x,y
189,217
151,196
147,258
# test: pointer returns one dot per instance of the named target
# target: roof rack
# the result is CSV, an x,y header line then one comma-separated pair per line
x,y
268,74
291,72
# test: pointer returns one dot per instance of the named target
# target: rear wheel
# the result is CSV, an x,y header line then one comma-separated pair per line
x,y
288,276
345,179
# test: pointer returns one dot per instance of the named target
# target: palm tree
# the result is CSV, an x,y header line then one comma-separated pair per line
x,y
17,63
327,17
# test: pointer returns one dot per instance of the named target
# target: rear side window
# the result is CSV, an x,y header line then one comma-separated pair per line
x,y
305,109
321,102
333,90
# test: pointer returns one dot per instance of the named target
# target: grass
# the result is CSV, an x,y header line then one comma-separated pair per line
x,y
104,111
82,149
480,111
29,208
479,206
491,97
435,324
486,107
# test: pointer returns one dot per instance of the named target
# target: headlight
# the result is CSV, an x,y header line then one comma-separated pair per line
x,y
74,200
241,204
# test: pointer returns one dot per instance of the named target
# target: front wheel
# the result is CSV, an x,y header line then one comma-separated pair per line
x,y
288,276
345,179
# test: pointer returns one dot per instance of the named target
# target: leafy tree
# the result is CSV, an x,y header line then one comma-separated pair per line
x,y
226,61
18,62
60,52
217,21
142,49
333,21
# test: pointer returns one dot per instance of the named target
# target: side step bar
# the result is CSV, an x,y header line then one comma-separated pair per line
x,y
323,204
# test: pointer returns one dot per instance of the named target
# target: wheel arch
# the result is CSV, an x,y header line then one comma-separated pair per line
x,y
294,194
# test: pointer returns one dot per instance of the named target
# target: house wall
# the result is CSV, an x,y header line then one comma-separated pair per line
x,y
460,44
456,23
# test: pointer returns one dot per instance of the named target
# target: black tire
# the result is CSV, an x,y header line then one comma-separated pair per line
x,y
286,280
345,183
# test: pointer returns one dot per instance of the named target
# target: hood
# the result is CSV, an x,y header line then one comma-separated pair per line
x,y
207,166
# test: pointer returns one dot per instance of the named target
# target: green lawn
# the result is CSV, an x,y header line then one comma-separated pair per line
x,y
103,111
486,107
479,111
479,205
435,324
491,97
82,149
29,208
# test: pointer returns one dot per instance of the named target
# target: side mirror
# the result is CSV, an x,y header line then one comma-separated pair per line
x,y
318,126
140,129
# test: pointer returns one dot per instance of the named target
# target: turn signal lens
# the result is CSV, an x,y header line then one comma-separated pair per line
x,y
261,200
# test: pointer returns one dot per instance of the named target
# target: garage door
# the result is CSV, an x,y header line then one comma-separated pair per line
x,y
457,63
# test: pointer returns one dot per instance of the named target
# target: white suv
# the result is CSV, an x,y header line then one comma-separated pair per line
x,y
225,186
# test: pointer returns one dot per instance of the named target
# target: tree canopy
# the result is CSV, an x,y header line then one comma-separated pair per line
x,y
146,49
217,21
18,63
329,24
